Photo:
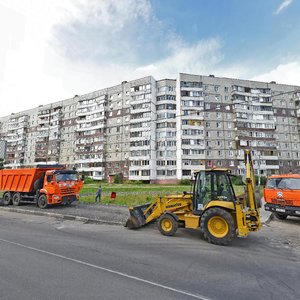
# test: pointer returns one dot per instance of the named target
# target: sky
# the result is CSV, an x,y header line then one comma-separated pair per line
x,y
51,50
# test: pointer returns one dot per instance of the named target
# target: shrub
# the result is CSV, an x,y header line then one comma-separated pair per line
x,y
185,182
138,182
118,179
237,180
262,180
88,180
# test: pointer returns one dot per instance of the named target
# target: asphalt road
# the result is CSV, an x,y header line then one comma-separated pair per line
x,y
46,258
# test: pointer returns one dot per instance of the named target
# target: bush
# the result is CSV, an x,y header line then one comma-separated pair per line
x,y
262,180
138,182
185,182
118,179
88,180
237,180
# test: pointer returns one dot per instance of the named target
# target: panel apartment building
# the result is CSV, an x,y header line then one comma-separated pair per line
x,y
161,130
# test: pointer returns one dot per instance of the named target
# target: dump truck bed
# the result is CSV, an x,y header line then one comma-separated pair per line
x,y
20,180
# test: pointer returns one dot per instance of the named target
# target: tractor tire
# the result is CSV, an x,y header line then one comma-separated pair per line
x,y
217,226
42,201
7,198
167,225
280,216
16,199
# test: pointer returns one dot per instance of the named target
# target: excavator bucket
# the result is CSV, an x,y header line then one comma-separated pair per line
x,y
137,217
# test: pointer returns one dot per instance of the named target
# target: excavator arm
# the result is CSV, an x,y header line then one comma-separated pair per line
x,y
250,180
247,211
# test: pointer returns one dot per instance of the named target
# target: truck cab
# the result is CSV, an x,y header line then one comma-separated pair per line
x,y
282,195
60,187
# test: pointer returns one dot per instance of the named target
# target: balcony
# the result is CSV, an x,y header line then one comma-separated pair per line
x,y
87,128
269,167
89,120
87,112
92,102
193,156
88,160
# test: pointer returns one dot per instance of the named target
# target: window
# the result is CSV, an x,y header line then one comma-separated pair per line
x,y
186,172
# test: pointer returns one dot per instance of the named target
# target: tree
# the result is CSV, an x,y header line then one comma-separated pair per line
x,y
118,178
1,163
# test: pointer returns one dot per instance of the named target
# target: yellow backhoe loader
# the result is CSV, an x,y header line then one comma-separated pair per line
x,y
212,206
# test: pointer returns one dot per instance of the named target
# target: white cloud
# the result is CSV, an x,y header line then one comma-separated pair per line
x,y
284,73
283,6
33,72
34,67
199,58
111,13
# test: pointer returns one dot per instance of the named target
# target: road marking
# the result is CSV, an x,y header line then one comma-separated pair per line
x,y
108,270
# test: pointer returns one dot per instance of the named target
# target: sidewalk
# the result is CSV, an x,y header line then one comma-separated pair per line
x,y
89,213
95,213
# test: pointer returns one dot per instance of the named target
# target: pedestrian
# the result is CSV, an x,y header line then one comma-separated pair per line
x,y
98,195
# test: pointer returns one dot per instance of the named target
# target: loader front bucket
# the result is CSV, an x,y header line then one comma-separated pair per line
x,y
137,217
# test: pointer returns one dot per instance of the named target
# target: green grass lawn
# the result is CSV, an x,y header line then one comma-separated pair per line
x,y
134,194
130,194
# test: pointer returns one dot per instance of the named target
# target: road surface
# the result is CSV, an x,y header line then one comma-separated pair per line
x,y
46,258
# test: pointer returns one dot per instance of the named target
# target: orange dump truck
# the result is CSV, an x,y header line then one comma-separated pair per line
x,y
43,185
282,195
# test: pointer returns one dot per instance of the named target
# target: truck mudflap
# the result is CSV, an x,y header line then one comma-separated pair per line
x,y
137,217
287,210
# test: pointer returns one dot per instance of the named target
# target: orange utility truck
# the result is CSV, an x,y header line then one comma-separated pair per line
x,y
44,185
282,195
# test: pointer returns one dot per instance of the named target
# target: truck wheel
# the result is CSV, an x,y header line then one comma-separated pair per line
x,y
167,225
217,226
42,201
16,199
7,199
280,216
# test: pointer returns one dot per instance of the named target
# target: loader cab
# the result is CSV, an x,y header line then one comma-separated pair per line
x,y
212,185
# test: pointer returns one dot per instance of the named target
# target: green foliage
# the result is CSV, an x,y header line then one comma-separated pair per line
x,y
185,182
118,179
131,194
88,180
138,182
237,180
262,180
133,182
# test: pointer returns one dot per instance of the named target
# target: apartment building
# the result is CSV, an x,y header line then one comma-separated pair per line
x,y
161,130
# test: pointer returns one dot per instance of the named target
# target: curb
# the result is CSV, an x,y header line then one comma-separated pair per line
x,y
82,219
269,219
59,216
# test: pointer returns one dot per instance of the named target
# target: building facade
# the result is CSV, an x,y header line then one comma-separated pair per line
x,y
161,130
